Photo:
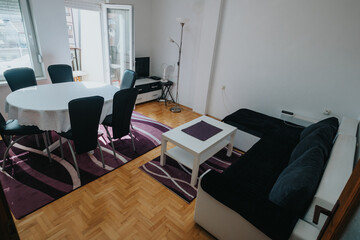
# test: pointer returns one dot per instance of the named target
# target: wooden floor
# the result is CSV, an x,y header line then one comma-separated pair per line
x,y
124,204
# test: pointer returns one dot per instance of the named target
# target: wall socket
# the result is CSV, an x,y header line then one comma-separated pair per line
x,y
326,111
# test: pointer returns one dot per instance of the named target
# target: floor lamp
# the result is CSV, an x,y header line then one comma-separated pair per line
x,y
182,22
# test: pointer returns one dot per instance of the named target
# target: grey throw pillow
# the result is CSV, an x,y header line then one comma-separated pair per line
x,y
321,137
332,122
296,185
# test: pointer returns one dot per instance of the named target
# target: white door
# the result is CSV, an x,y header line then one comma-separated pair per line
x,y
118,41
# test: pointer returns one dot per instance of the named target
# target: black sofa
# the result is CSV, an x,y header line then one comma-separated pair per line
x,y
273,184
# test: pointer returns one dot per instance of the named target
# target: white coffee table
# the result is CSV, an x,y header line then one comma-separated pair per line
x,y
191,151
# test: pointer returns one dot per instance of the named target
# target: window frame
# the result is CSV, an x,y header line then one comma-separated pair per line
x,y
32,41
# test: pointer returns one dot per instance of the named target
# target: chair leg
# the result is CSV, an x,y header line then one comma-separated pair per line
x,y
47,147
37,140
132,140
74,157
61,148
101,154
110,138
8,148
6,140
48,137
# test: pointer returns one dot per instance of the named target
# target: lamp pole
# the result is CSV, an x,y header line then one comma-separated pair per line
x,y
177,108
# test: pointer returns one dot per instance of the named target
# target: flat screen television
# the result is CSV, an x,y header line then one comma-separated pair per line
x,y
142,67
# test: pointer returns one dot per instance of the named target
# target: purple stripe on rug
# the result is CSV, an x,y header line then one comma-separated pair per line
x,y
30,181
22,198
177,177
61,186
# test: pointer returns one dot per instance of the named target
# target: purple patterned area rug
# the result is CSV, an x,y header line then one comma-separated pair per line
x,y
30,181
176,176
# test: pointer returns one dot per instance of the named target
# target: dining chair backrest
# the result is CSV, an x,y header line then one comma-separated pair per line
x,y
2,127
84,119
123,106
18,78
128,79
60,73
2,121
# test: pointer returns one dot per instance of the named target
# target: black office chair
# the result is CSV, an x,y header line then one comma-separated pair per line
x,y
12,128
60,73
119,120
128,79
18,78
84,119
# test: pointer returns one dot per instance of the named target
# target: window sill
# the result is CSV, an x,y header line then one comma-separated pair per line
x,y
4,83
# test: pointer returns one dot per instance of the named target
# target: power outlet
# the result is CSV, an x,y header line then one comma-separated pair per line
x,y
326,111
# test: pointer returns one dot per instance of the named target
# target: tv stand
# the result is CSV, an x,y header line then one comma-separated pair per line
x,y
149,90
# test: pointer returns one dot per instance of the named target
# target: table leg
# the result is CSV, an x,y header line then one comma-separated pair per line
x,y
231,144
163,150
195,171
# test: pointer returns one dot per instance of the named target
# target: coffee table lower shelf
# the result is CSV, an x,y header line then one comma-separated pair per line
x,y
187,158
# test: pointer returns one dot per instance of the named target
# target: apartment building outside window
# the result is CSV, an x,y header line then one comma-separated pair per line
x,y
18,43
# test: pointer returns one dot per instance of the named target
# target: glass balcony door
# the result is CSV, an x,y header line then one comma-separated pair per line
x,y
119,43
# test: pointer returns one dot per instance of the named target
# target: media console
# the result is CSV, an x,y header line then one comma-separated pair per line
x,y
149,90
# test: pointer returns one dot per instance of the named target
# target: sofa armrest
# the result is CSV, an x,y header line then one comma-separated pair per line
x,y
348,126
338,170
304,231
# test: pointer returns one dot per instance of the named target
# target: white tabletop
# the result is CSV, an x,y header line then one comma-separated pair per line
x,y
46,106
189,142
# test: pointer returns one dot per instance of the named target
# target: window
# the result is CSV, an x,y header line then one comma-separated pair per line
x,y
18,44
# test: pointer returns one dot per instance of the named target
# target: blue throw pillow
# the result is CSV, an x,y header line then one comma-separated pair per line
x,y
321,137
297,184
332,122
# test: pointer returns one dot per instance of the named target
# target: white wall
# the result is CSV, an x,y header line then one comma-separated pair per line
x,y
164,25
142,23
206,58
50,25
288,54
91,46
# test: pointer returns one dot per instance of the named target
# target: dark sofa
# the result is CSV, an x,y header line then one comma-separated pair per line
x,y
273,184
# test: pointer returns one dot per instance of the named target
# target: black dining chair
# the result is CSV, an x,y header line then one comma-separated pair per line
x,y
60,73
119,120
128,79
11,128
84,119
18,78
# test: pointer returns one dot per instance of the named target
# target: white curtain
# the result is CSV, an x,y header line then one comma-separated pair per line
x,y
94,5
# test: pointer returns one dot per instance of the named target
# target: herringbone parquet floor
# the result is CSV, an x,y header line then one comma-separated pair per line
x,y
124,204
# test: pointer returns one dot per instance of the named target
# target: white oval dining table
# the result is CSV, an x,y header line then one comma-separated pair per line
x,y
46,106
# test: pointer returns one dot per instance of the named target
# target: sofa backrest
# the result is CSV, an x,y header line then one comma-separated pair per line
x,y
337,172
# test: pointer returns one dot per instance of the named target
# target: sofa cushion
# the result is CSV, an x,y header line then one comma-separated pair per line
x,y
331,122
259,124
322,137
297,184
259,168
273,220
